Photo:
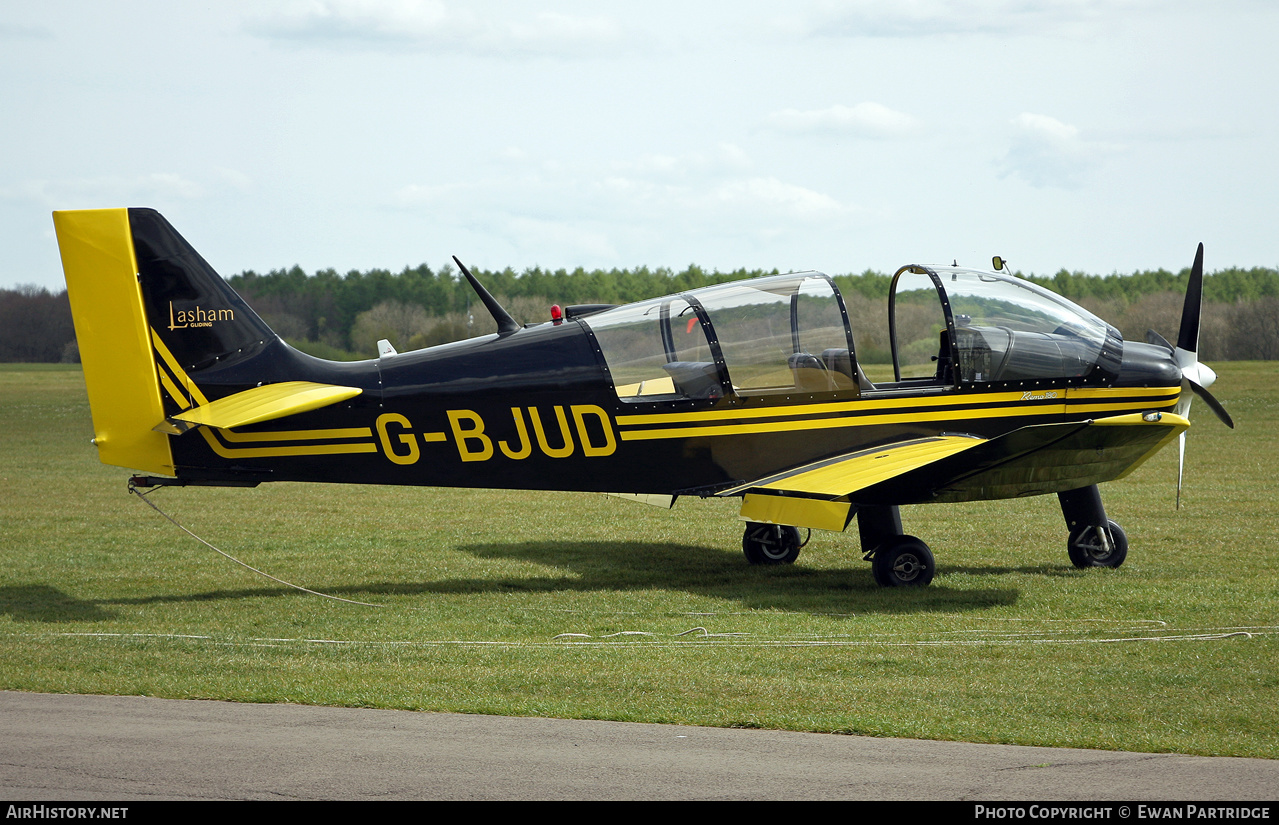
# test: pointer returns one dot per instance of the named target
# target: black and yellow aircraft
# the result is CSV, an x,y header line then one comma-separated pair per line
x,y
750,389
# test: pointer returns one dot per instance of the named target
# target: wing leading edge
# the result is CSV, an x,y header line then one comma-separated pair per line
x,y
1034,460
259,404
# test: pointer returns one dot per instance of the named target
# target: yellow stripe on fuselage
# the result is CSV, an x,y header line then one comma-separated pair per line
x,y
194,394
861,405
907,409
277,452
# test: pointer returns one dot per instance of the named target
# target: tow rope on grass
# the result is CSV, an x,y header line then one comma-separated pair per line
x,y
134,489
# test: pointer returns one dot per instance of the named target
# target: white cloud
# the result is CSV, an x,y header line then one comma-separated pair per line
x,y
414,195
550,30
109,190
620,212
924,18
571,240
430,24
1046,152
362,23
739,201
235,179
867,119
16,32
775,198
725,158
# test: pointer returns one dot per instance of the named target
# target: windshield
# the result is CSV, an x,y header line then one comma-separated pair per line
x,y
1005,329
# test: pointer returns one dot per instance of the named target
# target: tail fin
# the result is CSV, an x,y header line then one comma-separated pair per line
x,y
199,318
139,291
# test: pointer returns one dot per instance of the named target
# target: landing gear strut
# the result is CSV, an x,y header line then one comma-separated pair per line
x,y
1095,541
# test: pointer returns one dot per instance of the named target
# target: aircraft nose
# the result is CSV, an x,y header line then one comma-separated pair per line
x,y
1148,365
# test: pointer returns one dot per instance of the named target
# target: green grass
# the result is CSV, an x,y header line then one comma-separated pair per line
x,y
1176,651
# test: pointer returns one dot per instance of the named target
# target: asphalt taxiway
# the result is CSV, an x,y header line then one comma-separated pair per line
x,y
61,747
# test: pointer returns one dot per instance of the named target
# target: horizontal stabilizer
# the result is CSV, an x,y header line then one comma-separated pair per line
x,y
259,404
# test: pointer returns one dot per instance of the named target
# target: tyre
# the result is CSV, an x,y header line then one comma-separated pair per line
x,y
903,561
1088,548
770,543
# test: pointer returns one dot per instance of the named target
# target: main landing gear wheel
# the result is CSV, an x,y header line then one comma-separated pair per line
x,y
1090,547
771,543
903,561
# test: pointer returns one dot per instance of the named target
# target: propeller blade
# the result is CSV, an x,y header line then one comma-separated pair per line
x,y
1181,464
1158,340
1213,403
1188,337
1195,376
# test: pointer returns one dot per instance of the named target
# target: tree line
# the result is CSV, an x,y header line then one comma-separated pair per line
x,y
342,316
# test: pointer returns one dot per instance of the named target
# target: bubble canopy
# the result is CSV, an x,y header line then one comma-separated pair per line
x,y
992,327
787,334
767,336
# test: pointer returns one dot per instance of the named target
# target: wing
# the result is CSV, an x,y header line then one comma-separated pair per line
x,y
819,494
1046,458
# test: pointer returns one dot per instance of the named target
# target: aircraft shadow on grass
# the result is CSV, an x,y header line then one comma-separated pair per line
x,y
714,573
43,603
609,566
615,566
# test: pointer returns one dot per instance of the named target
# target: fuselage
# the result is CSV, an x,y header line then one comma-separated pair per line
x,y
554,406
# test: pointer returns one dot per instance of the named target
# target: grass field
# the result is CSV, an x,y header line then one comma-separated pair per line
x,y
1177,651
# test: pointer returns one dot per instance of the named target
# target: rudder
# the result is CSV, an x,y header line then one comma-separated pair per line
x,y
115,343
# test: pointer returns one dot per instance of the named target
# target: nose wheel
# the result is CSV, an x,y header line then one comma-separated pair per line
x,y
1095,541
1098,547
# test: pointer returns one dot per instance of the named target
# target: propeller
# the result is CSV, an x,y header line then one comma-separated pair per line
x,y
1195,377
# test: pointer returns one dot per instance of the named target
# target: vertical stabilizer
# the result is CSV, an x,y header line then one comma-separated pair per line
x,y
199,318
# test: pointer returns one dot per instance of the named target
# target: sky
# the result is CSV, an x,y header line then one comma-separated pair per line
x,y
1089,135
